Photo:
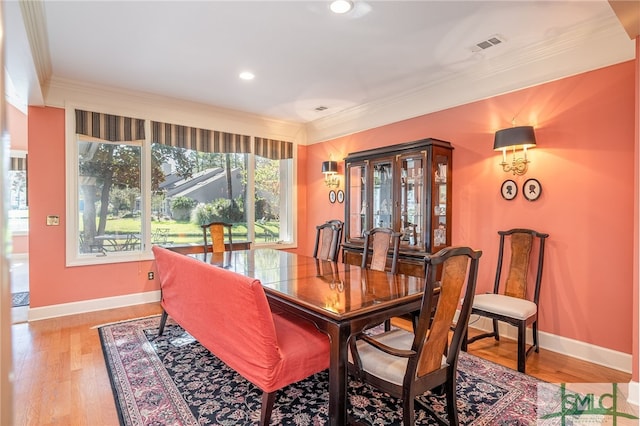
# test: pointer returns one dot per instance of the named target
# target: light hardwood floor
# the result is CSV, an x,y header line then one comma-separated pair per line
x,y
61,378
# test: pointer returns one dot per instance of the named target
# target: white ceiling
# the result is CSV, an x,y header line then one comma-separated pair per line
x,y
306,57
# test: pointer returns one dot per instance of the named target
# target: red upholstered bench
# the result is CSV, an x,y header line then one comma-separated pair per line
x,y
228,313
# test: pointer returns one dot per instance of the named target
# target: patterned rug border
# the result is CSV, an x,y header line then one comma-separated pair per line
x,y
500,396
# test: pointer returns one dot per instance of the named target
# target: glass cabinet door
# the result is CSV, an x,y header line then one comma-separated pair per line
x,y
412,203
382,197
440,202
357,200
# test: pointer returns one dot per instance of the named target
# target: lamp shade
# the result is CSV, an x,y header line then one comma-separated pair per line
x,y
520,137
329,167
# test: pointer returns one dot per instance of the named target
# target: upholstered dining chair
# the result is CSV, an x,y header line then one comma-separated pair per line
x,y
407,364
327,244
511,304
216,232
380,241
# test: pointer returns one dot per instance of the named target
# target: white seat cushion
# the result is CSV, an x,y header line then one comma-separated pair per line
x,y
507,306
380,364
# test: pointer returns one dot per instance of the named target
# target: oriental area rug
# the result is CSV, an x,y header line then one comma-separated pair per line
x,y
173,380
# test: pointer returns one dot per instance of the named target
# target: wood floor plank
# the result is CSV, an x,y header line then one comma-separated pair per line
x,y
61,377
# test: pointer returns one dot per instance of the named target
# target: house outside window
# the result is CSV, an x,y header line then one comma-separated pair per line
x,y
164,183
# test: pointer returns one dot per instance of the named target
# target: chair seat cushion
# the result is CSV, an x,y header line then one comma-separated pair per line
x,y
507,306
385,366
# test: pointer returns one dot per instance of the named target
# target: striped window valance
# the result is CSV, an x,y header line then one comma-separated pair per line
x,y
18,164
272,149
112,128
202,140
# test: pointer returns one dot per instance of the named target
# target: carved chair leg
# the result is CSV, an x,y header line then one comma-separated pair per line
x,y
268,398
163,322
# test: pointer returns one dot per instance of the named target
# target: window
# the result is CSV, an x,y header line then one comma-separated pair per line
x,y
273,200
141,182
191,188
18,212
109,189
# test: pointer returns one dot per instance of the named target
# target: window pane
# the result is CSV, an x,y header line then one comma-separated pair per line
x,y
18,211
273,200
192,188
109,197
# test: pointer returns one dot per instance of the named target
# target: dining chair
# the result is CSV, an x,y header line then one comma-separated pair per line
x,y
511,305
216,231
328,237
406,364
380,241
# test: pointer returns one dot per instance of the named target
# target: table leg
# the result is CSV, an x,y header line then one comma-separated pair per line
x,y
338,375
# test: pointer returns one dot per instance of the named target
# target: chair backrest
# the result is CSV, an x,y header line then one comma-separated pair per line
x,y
380,241
216,232
521,245
431,339
327,243
340,226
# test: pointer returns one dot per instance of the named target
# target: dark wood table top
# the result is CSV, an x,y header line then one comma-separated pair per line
x,y
334,289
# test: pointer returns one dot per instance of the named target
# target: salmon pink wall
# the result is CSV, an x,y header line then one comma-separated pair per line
x,y
17,126
51,282
585,163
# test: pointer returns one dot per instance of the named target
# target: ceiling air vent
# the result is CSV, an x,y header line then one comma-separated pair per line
x,y
489,42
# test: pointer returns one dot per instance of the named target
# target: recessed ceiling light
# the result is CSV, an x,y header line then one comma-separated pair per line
x,y
341,6
247,75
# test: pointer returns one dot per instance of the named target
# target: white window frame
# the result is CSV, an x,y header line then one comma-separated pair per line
x,y
73,258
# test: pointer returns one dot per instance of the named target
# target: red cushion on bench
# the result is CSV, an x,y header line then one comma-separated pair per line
x,y
228,313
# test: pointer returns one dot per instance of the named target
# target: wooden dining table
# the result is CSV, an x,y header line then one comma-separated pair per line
x,y
341,299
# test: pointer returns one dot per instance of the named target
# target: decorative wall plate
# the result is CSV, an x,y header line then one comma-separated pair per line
x,y
509,189
340,196
531,189
332,196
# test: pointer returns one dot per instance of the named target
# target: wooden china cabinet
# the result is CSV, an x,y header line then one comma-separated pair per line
x,y
406,187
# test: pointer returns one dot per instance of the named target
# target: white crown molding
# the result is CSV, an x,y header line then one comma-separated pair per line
x,y
63,92
35,25
571,54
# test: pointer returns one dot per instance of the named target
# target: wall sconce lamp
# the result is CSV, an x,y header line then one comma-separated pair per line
x,y
330,170
521,137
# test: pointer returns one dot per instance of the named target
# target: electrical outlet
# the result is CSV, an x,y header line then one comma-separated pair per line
x,y
150,275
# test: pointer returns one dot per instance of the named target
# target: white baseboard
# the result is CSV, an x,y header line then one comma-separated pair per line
x,y
85,306
573,348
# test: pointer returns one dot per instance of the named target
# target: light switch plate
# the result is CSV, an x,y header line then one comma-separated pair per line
x,y
53,220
